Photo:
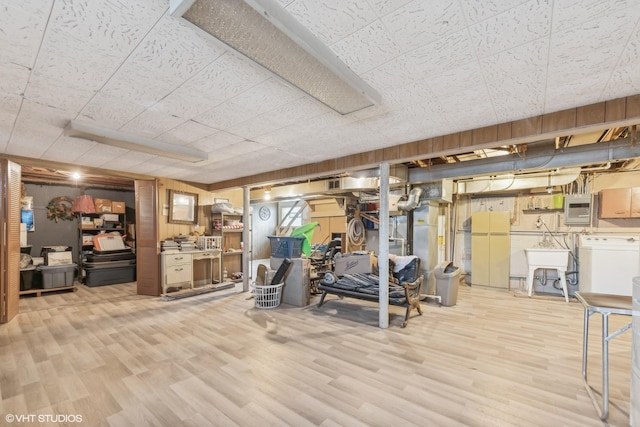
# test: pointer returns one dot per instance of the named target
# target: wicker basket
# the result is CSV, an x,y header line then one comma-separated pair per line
x,y
268,296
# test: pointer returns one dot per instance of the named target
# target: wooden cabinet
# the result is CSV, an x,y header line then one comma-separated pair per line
x,y
620,203
230,228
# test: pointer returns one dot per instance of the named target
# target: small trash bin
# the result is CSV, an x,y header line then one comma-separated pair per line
x,y
447,280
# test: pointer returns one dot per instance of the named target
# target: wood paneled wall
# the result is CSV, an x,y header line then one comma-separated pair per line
x,y
602,115
205,200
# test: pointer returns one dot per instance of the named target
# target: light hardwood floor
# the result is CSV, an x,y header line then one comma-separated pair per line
x,y
118,359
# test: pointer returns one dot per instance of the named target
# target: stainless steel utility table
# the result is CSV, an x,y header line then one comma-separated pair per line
x,y
604,304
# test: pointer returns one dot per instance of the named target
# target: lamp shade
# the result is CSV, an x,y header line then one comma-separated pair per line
x,y
83,204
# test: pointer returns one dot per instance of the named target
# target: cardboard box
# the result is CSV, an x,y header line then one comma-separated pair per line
x,y
352,264
103,205
58,258
118,207
110,217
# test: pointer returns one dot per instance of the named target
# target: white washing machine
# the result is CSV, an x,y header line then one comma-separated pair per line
x,y
608,264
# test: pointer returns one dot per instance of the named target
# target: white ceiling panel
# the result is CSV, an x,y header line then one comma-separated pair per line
x,y
338,18
108,26
571,13
217,141
367,48
522,24
23,24
151,124
440,67
110,111
419,23
67,149
13,78
186,133
479,10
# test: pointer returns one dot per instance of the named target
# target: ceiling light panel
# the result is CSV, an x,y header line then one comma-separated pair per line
x,y
260,36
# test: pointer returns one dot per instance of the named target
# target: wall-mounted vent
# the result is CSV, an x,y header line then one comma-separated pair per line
x,y
334,184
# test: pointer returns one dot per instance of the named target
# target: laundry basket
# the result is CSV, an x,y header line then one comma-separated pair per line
x,y
268,296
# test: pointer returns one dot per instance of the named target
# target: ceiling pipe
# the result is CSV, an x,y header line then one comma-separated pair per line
x,y
597,168
538,157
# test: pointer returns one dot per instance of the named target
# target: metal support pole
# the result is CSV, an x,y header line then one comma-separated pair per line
x,y
246,239
383,250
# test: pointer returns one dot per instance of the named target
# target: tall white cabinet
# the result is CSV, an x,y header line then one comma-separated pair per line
x,y
490,248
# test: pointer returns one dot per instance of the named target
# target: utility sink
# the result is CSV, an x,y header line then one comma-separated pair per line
x,y
547,258
550,258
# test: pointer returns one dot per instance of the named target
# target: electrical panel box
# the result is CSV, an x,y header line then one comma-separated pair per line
x,y
577,209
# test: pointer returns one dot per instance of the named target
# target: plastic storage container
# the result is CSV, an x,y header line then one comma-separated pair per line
x,y
286,247
447,280
57,276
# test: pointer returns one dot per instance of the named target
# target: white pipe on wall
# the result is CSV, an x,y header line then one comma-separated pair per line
x,y
383,250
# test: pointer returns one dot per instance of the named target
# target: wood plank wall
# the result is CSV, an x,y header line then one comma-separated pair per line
x,y
602,115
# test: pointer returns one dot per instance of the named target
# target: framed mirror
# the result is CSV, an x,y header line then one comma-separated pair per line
x,y
183,207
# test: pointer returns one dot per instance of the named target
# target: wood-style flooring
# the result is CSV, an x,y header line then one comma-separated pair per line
x,y
119,359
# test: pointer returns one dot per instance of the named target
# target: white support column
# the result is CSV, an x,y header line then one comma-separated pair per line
x,y
246,239
635,356
383,250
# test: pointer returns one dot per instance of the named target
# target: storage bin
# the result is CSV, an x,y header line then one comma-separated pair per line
x,y
101,276
58,276
286,247
26,278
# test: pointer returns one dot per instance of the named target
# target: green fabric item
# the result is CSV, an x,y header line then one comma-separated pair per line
x,y
307,232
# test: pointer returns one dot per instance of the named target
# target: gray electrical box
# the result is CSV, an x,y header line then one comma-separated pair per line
x,y
577,209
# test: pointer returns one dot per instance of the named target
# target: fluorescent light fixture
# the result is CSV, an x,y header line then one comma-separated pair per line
x,y
132,142
264,32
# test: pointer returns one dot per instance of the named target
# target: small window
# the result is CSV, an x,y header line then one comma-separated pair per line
x,y
288,213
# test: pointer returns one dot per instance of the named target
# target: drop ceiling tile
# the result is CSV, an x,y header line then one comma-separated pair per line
x,y
82,67
44,114
582,66
173,50
452,50
23,24
398,72
101,155
135,87
242,148
571,13
110,111
67,149
456,79
384,7
155,163
150,124
631,52
186,133
9,107
13,78
572,42
217,141
331,20
367,48
133,161
31,138
266,96
187,103
523,92
225,115
479,10
518,60
226,76
419,23
57,93
107,26
522,24
561,96
468,105
623,82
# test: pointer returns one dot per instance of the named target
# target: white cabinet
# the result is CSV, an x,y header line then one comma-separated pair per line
x,y
177,271
188,270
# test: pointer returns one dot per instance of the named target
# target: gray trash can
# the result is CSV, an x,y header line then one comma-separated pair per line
x,y
447,279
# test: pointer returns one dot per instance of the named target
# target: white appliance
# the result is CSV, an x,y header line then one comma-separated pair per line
x,y
608,263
